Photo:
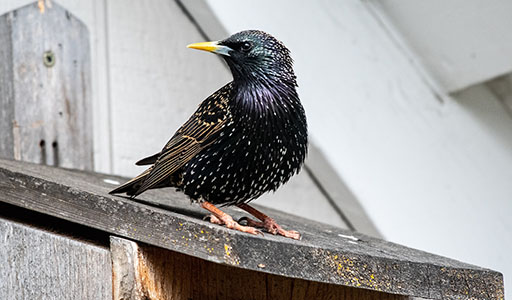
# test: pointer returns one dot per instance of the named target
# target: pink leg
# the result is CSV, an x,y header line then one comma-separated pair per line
x,y
220,217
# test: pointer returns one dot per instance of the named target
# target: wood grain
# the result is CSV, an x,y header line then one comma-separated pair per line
x,y
38,264
164,274
46,109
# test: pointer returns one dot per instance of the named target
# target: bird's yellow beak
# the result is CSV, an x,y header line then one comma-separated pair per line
x,y
211,47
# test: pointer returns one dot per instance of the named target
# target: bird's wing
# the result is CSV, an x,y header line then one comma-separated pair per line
x,y
196,134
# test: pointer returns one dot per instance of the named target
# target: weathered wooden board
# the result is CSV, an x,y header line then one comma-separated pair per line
x,y
325,254
38,264
45,88
148,272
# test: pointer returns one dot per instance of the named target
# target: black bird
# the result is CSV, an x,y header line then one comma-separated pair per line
x,y
246,139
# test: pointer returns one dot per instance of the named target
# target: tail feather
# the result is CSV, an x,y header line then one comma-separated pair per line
x,y
148,160
131,187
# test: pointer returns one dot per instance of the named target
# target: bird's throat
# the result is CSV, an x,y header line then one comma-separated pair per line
x,y
264,97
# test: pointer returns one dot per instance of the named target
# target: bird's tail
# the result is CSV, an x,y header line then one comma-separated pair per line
x,y
132,186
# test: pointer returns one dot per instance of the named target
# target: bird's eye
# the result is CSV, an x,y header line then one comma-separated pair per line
x,y
246,47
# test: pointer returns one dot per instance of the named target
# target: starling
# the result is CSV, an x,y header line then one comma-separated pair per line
x,y
246,139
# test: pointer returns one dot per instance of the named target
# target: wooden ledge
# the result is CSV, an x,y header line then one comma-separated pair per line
x,y
166,219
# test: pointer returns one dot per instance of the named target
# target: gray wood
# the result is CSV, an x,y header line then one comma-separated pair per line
x,y
325,253
37,264
6,92
126,279
45,102
148,272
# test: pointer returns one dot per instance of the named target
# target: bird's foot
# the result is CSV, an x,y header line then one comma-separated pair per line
x,y
221,218
267,223
271,226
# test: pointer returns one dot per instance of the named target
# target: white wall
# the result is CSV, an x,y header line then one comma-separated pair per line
x,y
462,42
432,174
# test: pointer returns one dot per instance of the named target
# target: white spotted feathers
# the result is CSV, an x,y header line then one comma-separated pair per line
x,y
246,139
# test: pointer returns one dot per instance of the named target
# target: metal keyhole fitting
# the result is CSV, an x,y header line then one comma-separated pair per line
x,y
49,59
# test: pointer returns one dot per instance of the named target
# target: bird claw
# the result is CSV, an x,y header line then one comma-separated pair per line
x,y
231,224
250,222
290,234
271,227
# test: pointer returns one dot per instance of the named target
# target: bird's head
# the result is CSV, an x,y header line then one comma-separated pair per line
x,y
253,55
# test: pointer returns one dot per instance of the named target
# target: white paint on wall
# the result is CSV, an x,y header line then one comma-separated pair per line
x,y
432,175
462,42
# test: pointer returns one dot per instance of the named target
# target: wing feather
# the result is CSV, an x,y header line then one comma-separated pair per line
x,y
197,133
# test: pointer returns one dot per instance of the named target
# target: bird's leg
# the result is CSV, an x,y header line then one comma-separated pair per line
x,y
268,223
220,217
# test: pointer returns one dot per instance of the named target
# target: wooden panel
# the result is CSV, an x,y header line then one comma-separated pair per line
x,y
6,92
50,116
92,13
37,264
146,272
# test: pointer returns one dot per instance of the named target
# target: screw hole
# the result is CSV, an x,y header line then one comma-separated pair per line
x,y
49,59
42,143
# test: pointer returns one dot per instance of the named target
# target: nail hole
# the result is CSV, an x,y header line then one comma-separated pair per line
x,y
42,145
55,147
